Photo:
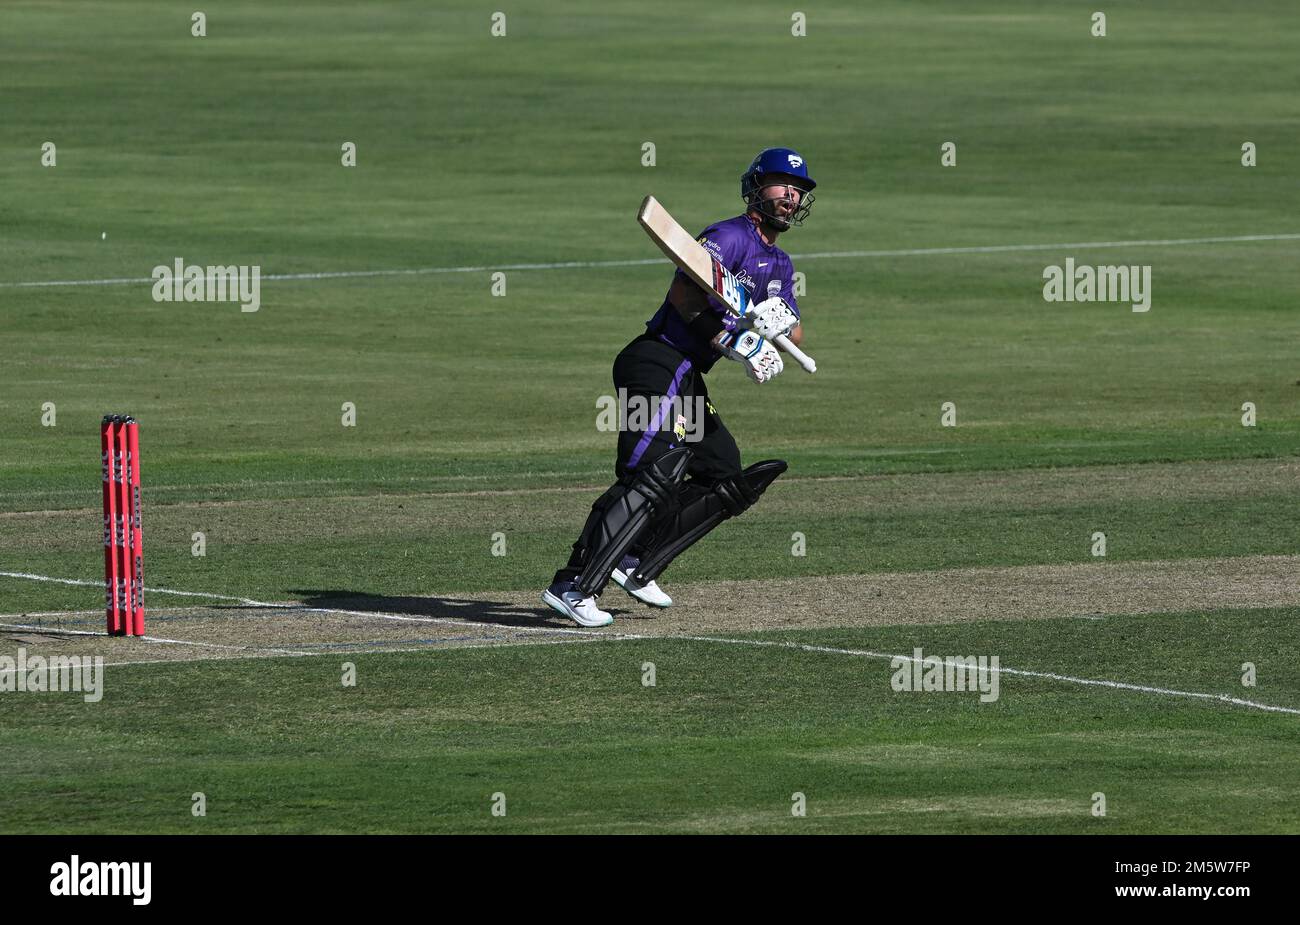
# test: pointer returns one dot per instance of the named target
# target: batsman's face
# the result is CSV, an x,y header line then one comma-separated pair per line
x,y
783,197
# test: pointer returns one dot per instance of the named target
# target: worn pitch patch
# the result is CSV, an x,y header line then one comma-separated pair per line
x,y
970,594
359,623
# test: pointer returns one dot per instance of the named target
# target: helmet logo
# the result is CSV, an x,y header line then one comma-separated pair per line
x,y
795,160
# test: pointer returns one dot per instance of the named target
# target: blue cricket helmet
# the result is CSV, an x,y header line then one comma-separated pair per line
x,y
781,161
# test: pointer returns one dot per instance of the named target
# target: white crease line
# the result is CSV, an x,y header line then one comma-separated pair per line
x,y
1118,685
217,645
803,647
50,630
286,653
153,639
299,607
97,612
451,621
52,613
78,581
603,264
383,651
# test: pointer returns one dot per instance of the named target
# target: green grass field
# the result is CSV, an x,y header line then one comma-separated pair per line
x,y
476,416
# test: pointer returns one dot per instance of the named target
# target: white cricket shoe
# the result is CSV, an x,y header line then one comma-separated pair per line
x,y
581,610
648,593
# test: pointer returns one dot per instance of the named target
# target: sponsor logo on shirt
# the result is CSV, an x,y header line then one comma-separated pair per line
x,y
711,246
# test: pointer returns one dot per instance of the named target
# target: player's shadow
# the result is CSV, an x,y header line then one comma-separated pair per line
x,y
444,607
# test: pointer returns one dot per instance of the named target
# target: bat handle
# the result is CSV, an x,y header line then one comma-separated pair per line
x,y
796,354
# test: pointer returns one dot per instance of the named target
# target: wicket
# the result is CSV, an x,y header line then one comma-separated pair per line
x,y
119,440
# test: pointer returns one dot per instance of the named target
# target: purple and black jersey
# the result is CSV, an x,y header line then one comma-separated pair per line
x,y
763,269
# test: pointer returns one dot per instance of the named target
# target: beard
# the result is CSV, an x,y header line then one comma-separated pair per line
x,y
775,222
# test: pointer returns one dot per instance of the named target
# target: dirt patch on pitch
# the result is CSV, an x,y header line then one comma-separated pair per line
x,y
962,595
292,629
339,625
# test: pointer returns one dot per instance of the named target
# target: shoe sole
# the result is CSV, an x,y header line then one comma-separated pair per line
x,y
620,577
556,604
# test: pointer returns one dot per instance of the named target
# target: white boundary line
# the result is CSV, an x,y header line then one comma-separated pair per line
x,y
758,643
604,264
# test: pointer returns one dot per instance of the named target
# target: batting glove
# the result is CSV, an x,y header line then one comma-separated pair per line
x,y
760,358
769,318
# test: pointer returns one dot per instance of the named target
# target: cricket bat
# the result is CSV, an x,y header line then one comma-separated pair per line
x,y
704,268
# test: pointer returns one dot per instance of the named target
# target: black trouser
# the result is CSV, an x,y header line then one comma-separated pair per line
x,y
655,373
650,369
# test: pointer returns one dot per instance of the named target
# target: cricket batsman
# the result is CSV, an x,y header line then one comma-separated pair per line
x,y
672,491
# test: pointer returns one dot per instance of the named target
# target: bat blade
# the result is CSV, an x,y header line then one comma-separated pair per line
x,y
702,267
